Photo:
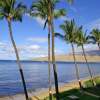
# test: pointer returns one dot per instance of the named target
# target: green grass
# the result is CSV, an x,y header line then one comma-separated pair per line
x,y
76,92
89,83
88,87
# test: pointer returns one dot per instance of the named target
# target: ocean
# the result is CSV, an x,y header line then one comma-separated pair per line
x,y
36,75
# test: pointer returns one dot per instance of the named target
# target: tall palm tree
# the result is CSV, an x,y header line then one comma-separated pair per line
x,y
40,9
51,15
81,39
70,30
95,36
13,11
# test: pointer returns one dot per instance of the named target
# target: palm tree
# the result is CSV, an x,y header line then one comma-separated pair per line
x,y
40,9
69,36
11,11
82,39
95,36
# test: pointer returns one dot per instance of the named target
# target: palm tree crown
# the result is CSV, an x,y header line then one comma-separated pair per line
x,y
95,35
81,37
39,9
70,30
11,11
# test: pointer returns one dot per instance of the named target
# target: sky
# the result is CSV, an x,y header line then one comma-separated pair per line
x,y
31,39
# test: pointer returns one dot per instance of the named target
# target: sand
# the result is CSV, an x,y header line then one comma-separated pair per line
x,y
43,93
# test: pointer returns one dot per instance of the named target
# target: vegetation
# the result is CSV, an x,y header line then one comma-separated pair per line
x,y
82,95
70,31
81,39
13,11
93,89
88,83
75,92
95,36
39,9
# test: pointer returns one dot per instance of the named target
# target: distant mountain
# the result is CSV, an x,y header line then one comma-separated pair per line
x,y
91,52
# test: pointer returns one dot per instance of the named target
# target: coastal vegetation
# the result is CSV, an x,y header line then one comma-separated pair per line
x,y
69,36
12,11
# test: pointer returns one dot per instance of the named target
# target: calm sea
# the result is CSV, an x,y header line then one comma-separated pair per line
x,y
36,75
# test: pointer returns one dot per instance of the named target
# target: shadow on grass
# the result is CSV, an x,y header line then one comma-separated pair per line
x,y
75,92
89,92
95,90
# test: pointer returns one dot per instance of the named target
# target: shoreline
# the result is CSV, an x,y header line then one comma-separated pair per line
x,y
38,95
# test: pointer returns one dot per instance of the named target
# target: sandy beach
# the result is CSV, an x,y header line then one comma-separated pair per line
x,y
40,95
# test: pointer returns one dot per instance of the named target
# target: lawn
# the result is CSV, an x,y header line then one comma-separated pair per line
x,y
76,92
90,88
82,96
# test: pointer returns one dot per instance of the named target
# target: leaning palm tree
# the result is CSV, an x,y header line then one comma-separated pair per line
x,y
81,39
11,11
69,36
40,9
95,36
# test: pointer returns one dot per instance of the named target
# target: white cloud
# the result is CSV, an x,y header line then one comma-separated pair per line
x,y
63,18
87,47
33,47
73,9
93,24
25,51
40,21
33,50
38,39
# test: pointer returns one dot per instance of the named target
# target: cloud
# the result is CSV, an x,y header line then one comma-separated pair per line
x,y
93,24
38,39
40,21
87,47
63,18
26,51
73,9
34,47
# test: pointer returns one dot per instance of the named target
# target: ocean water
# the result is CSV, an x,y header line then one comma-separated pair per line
x,y
36,75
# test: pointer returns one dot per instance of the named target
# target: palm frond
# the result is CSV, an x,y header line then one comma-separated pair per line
x,y
70,1
45,23
59,13
11,9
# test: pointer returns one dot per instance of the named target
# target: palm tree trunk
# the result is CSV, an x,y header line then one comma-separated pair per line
x,y
49,63
77,70
53,52
88,66
99,45
18,60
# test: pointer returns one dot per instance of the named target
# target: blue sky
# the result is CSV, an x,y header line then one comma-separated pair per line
x,y
31,39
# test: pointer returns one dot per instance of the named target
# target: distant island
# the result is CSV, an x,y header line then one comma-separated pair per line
x,y
69,58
